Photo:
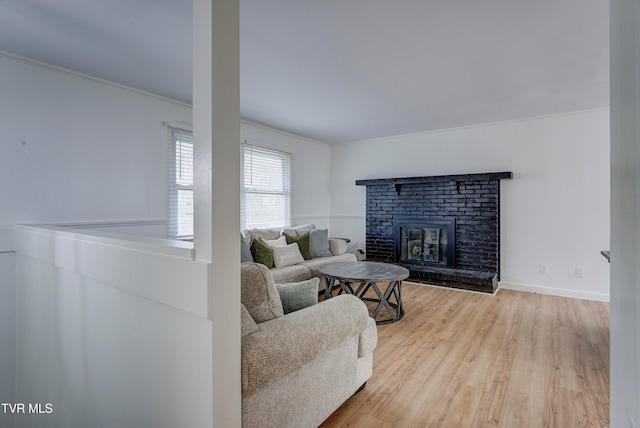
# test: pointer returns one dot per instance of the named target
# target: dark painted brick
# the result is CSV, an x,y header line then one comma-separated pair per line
x,y
472,199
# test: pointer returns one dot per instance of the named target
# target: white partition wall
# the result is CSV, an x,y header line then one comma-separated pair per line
x,y
110,332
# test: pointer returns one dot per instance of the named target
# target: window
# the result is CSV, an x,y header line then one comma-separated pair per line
x,y
180,189
266,188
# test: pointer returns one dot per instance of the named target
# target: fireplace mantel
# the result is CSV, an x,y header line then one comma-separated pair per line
x,y
435,178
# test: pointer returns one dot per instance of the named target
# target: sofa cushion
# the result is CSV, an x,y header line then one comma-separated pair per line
x,y
293,230
247,324
286,256
266,234
303,244
261,252
318,242
245,251
298,295
258,292
295,273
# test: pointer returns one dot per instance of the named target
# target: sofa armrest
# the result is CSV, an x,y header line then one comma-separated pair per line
x,y
285,344
337,246
368,339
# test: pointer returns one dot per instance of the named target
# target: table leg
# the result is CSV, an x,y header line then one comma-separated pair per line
x,y
345,287
328,283
394,288
359,292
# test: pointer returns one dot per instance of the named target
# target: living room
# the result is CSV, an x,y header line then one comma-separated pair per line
x,y
555,210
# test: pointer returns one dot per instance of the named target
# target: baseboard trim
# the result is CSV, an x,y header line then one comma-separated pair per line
x,y
575,294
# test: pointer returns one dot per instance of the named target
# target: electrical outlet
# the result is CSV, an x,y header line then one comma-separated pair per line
x,y
543,269
632,423
579,272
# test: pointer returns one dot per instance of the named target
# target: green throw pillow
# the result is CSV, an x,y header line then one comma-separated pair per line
x,y
298,295
303,244
261,253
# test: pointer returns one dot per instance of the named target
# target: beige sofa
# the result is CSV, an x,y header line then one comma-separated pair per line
x,y
299,368
308,268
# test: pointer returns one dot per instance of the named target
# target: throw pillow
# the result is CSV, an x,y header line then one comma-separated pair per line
x,y
318,242
303,244
286,256
298,295
261,253
280,242
245,251
337,246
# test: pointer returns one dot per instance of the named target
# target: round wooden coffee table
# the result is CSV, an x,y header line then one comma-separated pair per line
x,y
368,275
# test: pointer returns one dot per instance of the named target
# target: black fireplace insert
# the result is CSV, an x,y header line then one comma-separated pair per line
x,y
425,241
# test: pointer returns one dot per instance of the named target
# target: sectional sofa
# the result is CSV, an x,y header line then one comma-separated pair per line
x,y
294,254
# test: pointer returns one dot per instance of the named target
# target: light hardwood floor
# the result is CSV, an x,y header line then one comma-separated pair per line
x,y
462,359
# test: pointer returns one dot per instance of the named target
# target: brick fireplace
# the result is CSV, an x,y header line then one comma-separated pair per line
x,y
444,229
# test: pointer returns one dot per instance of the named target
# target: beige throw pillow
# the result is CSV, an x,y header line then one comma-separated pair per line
x,y
280,242
287,256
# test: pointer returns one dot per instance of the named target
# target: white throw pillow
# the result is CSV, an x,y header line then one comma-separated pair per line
x,y
280,242
287,256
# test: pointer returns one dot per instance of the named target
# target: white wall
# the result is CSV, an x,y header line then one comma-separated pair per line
x,y
77,149
625,212
555,211
310,173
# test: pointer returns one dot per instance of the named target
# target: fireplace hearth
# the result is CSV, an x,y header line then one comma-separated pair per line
x,y
444,229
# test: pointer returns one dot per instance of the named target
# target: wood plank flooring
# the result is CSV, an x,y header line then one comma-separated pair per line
x,y
462,359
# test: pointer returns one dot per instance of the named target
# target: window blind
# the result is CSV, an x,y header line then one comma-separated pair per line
x,y
265,195
180,184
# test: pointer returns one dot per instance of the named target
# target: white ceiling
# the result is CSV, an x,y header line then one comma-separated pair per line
x,y
347,70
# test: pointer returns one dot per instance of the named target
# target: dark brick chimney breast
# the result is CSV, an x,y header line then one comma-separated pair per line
x,y
472,200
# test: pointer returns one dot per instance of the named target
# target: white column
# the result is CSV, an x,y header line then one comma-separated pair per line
x,y
216,126
625,212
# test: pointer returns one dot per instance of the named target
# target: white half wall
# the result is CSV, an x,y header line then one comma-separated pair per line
x,y
110,333
555,211
310,175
